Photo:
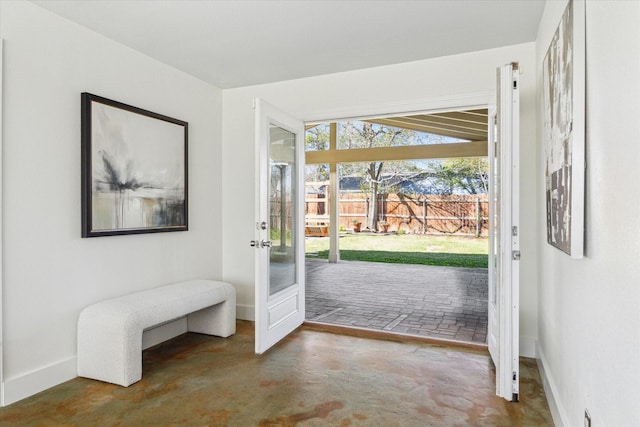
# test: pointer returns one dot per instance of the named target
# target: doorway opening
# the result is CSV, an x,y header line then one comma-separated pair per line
x,y
392,207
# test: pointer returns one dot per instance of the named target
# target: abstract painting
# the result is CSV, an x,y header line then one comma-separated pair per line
x,y
134,170
564,136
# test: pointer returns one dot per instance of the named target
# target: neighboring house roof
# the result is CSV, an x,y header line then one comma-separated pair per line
x,y
353,184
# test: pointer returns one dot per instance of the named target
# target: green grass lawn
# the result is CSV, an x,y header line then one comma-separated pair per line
x,y
453,251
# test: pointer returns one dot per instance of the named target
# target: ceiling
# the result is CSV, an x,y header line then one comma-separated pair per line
x,y
241,43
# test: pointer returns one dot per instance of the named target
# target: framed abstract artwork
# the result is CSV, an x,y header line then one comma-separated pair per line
x,y
564,131
134,170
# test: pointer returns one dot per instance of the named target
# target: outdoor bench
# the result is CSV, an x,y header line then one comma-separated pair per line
x,y
316,230
110,332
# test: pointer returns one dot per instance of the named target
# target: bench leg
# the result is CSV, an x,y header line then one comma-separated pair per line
x,y
218,320
109,352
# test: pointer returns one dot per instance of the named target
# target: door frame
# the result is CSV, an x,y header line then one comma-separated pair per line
x,y
432,105
494,237
2,402
470,101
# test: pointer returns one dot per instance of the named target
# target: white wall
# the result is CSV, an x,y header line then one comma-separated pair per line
x,y
589,309
50,273
336,96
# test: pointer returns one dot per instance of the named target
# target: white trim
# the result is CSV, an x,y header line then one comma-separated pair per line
x,y
515,222
246,312
39,380
2,398
390,109
508,297
558,412
494,239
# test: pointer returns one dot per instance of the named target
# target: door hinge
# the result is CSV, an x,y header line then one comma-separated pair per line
x,y
515,255
514,396
514,230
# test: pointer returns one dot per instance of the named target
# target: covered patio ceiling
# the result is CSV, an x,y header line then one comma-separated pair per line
x,y
470,124
466,125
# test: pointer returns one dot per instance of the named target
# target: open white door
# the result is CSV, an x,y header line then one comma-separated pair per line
x,y
504,252
279,239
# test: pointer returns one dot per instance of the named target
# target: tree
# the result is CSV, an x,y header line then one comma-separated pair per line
x,y
376,174
468,175
317,139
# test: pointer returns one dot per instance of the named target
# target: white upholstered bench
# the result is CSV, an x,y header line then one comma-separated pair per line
x,y
110,332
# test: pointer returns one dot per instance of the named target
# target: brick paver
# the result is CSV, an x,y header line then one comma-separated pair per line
x,y
438,302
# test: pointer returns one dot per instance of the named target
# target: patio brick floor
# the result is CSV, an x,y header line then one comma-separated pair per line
x,y
436,302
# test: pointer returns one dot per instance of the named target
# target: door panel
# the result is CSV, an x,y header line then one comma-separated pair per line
x,y
280,225
504,306
281,194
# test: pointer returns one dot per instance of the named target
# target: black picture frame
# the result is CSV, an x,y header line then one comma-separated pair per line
x,y
134,169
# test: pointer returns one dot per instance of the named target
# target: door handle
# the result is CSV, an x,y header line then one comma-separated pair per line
x,y
260,244
265,244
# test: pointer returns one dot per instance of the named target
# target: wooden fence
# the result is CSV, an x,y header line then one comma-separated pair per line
x,y
431,214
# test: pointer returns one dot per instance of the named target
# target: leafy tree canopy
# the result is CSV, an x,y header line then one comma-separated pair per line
x,y
317,138
469,175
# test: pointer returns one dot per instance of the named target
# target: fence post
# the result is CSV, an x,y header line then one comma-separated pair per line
x,y
366,210
478,216
424,216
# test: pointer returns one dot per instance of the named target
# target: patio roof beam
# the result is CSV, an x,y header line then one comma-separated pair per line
x,y
417,152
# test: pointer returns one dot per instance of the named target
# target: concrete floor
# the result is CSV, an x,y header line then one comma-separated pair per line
x,y
311,378
427,301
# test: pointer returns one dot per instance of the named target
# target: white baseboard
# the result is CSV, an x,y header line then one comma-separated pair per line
x,y
528,346
34,382
246,312
551,391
